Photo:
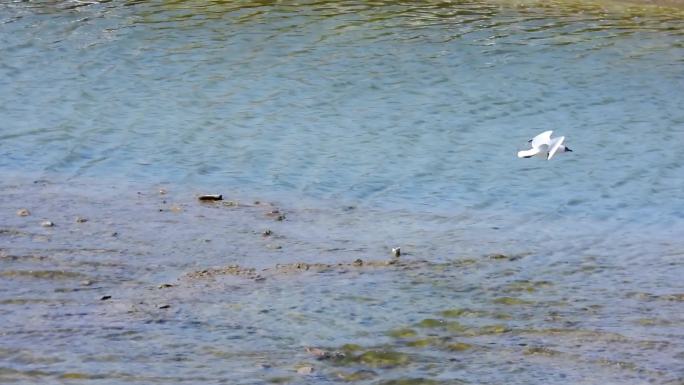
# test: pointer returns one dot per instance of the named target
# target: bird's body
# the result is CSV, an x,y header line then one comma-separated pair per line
x,y
544,146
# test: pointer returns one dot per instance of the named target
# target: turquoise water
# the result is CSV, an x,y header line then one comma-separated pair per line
x,y
369,125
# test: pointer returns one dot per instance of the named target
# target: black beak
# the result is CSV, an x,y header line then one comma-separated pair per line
x,y
567,149
529,141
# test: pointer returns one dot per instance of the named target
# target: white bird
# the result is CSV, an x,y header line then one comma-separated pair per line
x,y
545,146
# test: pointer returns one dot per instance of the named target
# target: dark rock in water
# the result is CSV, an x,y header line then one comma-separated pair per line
x,y
163,306
165,285
358,262
105,297
321,354
267,233
210,197
23,212
115,234
47,224
396,252
81,220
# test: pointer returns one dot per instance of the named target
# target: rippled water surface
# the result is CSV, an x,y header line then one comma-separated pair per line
x,y
335,131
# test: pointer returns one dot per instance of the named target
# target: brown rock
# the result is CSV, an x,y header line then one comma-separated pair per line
x,y
305,370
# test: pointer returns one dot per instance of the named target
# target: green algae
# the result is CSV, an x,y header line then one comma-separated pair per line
x,y
410,381
75,376
421,343
464,313
431,323
512,301
527,286
402,333
459,346
487,330
455,327
350,348
383,359
280,380
359,375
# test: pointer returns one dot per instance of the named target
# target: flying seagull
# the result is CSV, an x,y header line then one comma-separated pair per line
x,y
545,146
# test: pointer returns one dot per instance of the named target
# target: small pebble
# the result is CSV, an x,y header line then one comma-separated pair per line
x,y
105,297
47,224
305,370
23,212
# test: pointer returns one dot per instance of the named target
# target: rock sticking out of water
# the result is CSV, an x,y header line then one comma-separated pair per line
x,y
396,252
321,354
47,224
305,370
105,297
23,212
81,220
163,306
210,197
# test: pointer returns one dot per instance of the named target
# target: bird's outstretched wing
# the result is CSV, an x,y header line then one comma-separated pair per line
x,y
543,138
554,146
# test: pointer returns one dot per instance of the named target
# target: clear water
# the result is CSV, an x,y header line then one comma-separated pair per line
x,y
370,125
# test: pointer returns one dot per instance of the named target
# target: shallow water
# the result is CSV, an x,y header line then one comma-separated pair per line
x,y
367,126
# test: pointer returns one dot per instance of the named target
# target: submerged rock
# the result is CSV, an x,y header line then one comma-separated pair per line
x,y
81,220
